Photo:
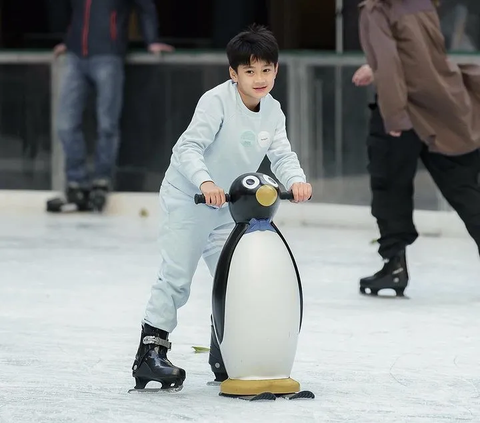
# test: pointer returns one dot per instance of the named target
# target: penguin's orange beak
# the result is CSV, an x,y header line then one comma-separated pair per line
x,y
266,195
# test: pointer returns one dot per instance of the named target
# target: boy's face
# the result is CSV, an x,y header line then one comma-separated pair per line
x,y
254,81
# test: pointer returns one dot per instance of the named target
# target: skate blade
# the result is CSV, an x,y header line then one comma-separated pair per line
x,y
68,208
157,390
97,208
63,208
373,292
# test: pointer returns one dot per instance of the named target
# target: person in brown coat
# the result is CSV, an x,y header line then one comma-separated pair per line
x,y
426,107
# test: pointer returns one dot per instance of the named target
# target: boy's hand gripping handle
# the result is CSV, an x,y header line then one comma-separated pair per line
x,y
200,198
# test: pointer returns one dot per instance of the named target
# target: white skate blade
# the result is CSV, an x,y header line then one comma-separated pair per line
x,y
156,390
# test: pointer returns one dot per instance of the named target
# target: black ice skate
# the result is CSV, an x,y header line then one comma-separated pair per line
x,y
76,199
152,365
98,194
394,275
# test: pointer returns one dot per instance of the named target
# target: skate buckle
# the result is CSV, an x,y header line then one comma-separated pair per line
x,y
155,340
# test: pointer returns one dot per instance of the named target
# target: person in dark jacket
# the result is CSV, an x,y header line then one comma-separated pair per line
x,y
95,46
426,107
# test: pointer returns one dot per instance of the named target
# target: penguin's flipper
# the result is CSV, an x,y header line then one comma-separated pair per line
x,y
300,289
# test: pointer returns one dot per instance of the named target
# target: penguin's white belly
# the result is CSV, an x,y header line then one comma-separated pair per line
x,y
262,309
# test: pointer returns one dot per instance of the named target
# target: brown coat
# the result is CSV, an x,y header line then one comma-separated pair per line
x,y
418,87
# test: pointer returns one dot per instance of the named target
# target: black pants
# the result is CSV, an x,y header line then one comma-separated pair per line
x,y
392,167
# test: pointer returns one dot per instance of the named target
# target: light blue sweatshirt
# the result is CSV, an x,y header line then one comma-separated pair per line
x,y
226,139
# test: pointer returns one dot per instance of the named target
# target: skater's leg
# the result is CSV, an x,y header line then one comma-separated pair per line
x,y
73,94
392,167
184,231
216,241
107,72
457,177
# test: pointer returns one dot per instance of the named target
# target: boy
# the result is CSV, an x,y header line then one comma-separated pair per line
x,y
234,125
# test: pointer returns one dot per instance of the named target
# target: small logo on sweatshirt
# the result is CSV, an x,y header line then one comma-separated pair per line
x,y
264,139
248,138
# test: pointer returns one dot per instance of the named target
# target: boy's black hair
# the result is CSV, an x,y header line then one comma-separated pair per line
x,y
256,43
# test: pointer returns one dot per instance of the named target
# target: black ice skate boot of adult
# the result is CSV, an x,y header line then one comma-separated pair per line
x,y
151,363
216,361
76,198
394,275
98,194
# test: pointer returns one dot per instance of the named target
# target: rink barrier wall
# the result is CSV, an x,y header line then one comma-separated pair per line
x,y
328,160
146,206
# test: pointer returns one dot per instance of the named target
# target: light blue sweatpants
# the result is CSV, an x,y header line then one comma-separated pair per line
x,y
187,232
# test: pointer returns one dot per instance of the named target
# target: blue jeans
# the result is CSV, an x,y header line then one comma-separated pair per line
x,y
106,75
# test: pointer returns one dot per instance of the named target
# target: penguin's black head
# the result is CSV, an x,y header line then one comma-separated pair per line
x,y
253,196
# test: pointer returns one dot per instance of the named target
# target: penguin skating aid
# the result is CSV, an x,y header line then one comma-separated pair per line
x,y
257,299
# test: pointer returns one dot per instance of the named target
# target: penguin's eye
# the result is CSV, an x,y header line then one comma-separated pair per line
x,y
251,182
270,180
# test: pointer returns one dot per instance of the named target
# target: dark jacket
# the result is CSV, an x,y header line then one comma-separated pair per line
x,y
101,26
418,86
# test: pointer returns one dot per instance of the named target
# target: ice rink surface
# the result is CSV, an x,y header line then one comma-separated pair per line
x,y
73,291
